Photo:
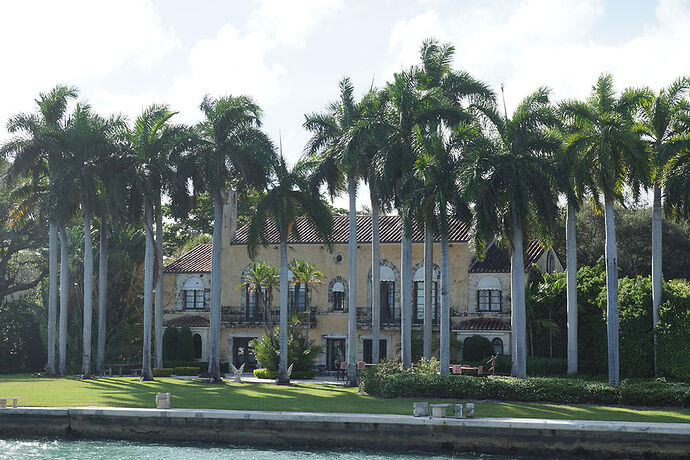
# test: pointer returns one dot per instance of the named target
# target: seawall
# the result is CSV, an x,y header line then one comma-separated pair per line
x,y
364,431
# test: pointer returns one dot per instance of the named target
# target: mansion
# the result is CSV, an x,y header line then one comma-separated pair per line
x,y
479,291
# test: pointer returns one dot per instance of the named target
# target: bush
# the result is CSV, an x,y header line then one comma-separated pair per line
x,y
187,370
185,344
203,365
265,374
546,367
673,346
655,394
503,364
162,372
370,380
477,348
170,344
302,352
426,366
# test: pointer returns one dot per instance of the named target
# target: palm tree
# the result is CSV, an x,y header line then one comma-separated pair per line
x,y
231,149
336,141
510,177
290,194
37,154
259,279
662,126
438,196
605,134
88,141
307,274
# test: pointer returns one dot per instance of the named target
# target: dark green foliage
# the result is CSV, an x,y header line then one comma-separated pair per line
x,y
162,371
554,390
187,370
591,328
185,344
195,364
673,331
537,366
170,344
21,346
477,348
370,380
271,374
302,352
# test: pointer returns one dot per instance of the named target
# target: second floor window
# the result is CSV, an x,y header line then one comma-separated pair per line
x,y
489,300
297,301
194,299
253,301
338,291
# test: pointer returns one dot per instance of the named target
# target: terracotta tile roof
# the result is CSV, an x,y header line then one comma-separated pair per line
x,y
198,260
390,229
188,320
497,259
484,324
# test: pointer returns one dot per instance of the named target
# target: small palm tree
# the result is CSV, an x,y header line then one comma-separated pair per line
x,y
662,125
259,279
231,149
605,133
510,176
289,195
307,274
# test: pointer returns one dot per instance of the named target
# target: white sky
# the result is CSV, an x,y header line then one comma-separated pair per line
x,y
290,55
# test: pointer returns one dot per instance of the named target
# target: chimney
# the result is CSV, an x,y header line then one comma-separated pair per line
x,y
229,218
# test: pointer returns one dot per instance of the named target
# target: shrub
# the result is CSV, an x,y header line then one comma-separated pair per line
x,y
187,370
265,374
673,346
370,380
203,365
545,367
477,348
426,366
170,344
655,394
302,352
185,344
162,372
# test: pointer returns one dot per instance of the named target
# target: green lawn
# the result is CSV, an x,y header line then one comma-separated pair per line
x,y
196,394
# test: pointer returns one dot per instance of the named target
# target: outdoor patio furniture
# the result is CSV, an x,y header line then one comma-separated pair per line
x,y
341,370
3,402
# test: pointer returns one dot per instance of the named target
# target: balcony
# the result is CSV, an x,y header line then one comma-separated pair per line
x,y
236,316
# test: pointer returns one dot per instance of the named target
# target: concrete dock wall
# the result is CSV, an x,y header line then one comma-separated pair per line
x,y
362,431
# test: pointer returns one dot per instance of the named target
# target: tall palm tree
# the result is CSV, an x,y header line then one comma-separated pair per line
x,y
89,140
232,150
290,194
438,196
510,176
154,151
605,133
336,141
662,126
37,153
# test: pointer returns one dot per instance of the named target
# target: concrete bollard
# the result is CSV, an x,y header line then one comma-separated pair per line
x,y
469,410
420,409
458,411
163,401
438,410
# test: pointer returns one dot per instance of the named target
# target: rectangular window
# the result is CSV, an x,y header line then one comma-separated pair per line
x,y
367,350
387,301
489,300
300,304
419,299
254,306
194,299
338,300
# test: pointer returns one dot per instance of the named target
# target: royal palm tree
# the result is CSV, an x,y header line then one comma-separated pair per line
x,y
290,194
510,177
36,151
437,197
606,135
336,141
231,150
662,126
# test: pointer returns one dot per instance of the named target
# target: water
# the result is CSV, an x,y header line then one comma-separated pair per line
x,y
88,449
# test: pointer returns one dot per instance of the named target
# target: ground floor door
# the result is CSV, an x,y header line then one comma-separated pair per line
x,y
243,353
367,352
335,352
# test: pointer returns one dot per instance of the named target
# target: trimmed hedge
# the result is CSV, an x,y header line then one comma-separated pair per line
x,y
162,372
477,348
271,374
554,390
200,364
187,370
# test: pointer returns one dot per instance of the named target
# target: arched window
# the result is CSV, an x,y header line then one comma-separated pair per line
x,y
550,262
489,294
338,291
498,346
297,301
419,298
193,290
387,294
197,346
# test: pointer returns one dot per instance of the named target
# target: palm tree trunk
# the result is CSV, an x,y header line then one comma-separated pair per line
x,y
611,292
158,299
406,301
571,279
375,282
88,296
428,290
102,294
445,305
517,298
283,330
657,276
352,284
64,297
52,294
146,373
216,280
